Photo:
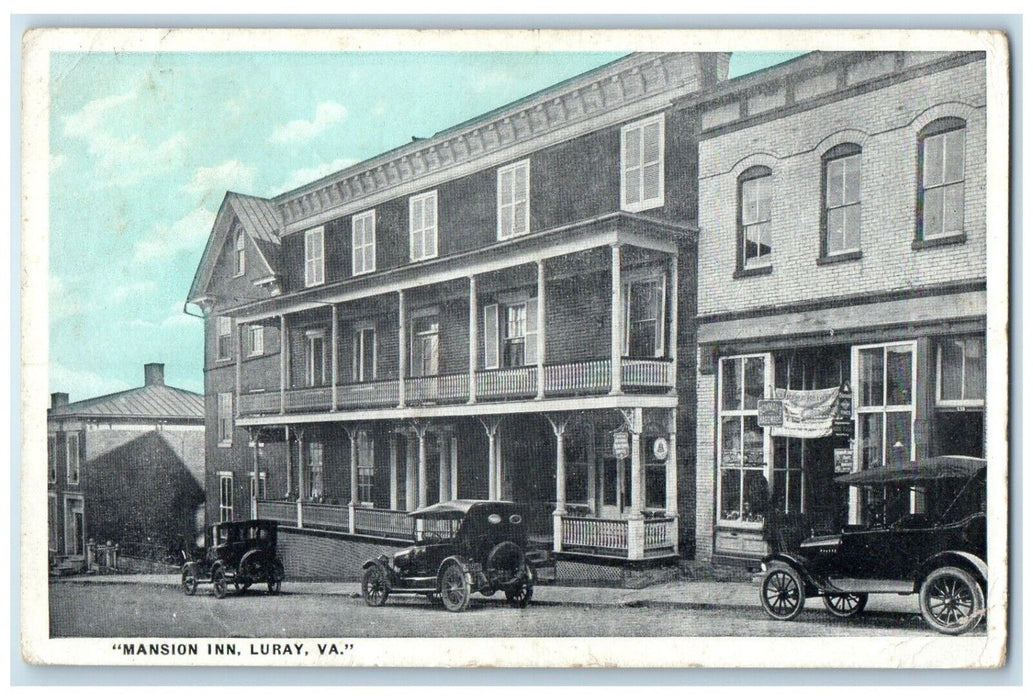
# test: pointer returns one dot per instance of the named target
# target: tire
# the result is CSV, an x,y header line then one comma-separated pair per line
x,y
274,577
375,587
952,601
273,587
845,604
520,595
782,593
455,590
241,585
434,599
505,564
189,579
219,582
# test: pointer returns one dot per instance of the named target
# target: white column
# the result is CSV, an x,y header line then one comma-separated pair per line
x,y
672,300
394,471
671,480
237,344
443,476
410,474
591,476
616,320
290,458
491,427
403,348
333,357
473,340
540,336
421,481
559,427
301,477
453,453
638,490
284,350
353,463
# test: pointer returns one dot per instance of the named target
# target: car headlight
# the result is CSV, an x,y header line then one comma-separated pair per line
x,y
763,566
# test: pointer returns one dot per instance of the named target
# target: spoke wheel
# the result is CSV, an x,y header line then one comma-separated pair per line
x,y
219,582
782,593
189,579
241,585
374,586
274,577
455,591
845,604
520,595
952,600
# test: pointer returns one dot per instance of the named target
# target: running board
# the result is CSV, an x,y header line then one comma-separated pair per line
x,y
867,585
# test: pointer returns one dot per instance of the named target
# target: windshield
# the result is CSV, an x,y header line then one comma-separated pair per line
x,y
925,504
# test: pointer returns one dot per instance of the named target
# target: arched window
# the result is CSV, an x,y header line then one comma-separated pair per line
x,y
754,244
941,180
239,254
841,200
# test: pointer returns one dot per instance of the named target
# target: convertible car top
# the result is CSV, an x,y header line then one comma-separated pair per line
x,y
931,468
452,510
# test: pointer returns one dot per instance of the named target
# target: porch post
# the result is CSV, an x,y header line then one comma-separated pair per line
x,y
236,349
540,334
559,427
443,476
394,471
472,377
290,459
333,357
636,522
410,474
421,481
672,351
353,460
491,426
284,351
592,475
253,435
403,348
616,320
301,475
453,453
671,481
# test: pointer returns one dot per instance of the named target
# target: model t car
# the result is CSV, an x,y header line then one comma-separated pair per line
x,y
461,547
242,553
926,534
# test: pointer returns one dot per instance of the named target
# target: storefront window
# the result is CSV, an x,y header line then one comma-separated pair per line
x,y
743,449
962,372
788,475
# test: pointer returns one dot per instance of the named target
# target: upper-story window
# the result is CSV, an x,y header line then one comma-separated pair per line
x,y
224,419
423,226
514,200
941,195
239,257
364,353
315,358
511,334
424,346
314,257
52,458
755,218
223,338
841,220
73,458
642,164
644,315
364,242
255,340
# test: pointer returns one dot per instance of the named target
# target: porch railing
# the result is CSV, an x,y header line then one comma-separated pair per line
x,y
646,373
609,536
285,512
444,387
382,522
260,402
506,383
588,377
659,534
382,393
325,516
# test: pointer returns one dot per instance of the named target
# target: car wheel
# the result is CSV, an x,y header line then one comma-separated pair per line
x,y
219,582
241,585
520,595
952,600
505,563
455,590
845,604
374,586
274,577
782,593
434,599
189,579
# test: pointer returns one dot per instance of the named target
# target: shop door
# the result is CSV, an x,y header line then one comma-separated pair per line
x,y
615,488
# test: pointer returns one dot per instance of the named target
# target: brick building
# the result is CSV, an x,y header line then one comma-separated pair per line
x,y
842,244
491,312
126,467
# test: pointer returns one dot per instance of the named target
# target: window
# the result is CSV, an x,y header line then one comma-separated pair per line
x,y
365,450
315,467
315,358
787,492
225,496
842,212
239,255
72,445
961,372
364,354
364,242
742,447
52,522
257,486
423,226
755,218
644,301
255,340
52,458
424,347
642,164
511,334
75,527
514,200
314,257
225,419
224,337
941,200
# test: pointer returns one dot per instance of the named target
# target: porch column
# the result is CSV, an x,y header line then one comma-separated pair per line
x,y
253,435
290,459
491,427
421,481
672,351
236,350
333,357
671,480
353,486
559,427
472,378
636,521
453,453
403,348
540,335
301,476
616,320
592,476
284,350
443,476
394,471
410,474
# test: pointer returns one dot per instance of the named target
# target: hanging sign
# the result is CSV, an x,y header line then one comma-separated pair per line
x,y
661,449
621,445
769,412
845,403
843,428
807,414
843,460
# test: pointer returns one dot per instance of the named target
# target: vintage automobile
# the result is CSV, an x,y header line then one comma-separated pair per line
x,y
242,553
461,547
926,534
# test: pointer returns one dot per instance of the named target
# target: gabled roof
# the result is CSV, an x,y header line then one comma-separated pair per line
x,y
151,402
259,219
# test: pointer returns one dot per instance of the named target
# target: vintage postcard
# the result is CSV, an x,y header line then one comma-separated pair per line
x,y
513,348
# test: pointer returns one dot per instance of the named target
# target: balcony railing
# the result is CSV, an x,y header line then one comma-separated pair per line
x,y
283,512
659,534
441,388
507,383
382,393
315,398
591,377
383,523
594,534
323,516
646,374
259,403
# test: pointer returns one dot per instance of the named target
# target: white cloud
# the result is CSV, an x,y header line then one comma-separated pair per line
x,y
177,319
63,302
81,384
131,289
327,114
231,175
307,175
91,117
166,240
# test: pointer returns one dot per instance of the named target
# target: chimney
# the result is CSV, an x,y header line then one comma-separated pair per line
x,y
154,374
58,399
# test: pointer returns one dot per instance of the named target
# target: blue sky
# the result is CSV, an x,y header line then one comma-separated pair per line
x,y
144,146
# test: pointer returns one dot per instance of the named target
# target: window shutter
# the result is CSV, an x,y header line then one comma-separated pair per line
x,y
430,223
415,229
631,165
491,336
531,333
